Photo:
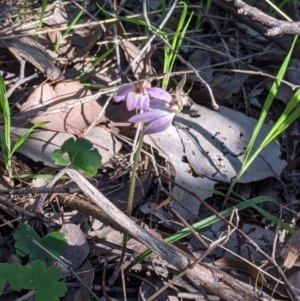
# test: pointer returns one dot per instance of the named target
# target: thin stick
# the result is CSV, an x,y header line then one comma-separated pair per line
x,y
214,280
213,101
160,76
153,36
38,204
191,266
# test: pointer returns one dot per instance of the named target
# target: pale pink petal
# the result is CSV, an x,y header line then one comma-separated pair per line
x,y
131,101
159,124
144,102
122,92
148,116
159,93
159,104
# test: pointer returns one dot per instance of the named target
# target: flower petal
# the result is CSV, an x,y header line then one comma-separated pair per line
x,y
122,92
159,124
159,93
148,116
144,102
159,104
131,101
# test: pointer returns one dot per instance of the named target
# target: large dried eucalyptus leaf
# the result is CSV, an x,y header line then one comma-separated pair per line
x,y
59,97
216,142
214,145
169,145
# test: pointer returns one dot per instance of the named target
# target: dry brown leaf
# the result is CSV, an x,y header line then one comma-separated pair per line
x,y
131,52
291,251
141,67
48,97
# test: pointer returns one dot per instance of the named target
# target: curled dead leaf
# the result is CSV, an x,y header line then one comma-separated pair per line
x,y
48,97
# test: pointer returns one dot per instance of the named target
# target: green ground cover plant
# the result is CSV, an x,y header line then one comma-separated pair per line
x,y
80,155
43,282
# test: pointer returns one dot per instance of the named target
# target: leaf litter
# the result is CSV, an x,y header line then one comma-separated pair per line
x,y
58,97
201,153
42,143
215,144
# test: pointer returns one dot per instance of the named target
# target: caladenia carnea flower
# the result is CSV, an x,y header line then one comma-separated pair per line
x,y
136,95
161,112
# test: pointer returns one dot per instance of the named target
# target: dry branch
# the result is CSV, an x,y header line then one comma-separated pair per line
x,y
276,26
213,280
32,52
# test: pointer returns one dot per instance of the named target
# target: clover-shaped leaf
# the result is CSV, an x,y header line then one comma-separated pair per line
x,y
45,281
54,242
34,277
8,274
80,154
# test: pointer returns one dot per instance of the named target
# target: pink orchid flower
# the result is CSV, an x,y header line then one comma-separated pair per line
x,y
136,96
161,111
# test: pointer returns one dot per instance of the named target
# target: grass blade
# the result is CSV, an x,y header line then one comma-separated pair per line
x,y
74,21
5,139
177,40
96,62
25,135
272,93
43,10
205,223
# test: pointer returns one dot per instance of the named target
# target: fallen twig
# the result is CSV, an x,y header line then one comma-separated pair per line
x,y
276,26
213,280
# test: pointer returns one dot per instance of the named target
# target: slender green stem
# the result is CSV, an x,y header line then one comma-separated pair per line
x,y
132,189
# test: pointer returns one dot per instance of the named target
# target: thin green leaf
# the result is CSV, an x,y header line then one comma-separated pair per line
x,y
177,40
3,146
205,223
74,21
97,61
163,8
166,55
273,218
268,215
25,135
179,25
128,19
180,40
272,93
43,10
6,141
